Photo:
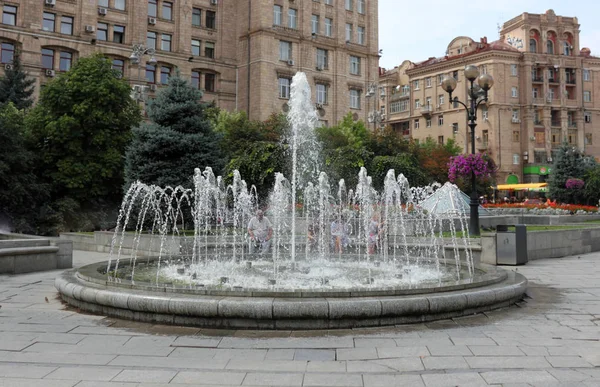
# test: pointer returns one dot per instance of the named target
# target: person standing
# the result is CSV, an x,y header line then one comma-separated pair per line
x,y
260,231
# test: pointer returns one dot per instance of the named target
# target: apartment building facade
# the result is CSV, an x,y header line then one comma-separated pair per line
x,y
241,53
546,91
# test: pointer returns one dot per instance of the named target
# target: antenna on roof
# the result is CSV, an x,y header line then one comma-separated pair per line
x,y
499,29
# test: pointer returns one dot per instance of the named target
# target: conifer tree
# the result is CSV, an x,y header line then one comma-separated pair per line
x,y
178,138
16,87
569,163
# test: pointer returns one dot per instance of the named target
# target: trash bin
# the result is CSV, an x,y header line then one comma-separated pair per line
x,y
511,246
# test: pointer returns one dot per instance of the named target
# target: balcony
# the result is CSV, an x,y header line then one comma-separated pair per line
x,y
539,101
537,79
553,80
572,125
571,102
555,123
571,82
538,122
426,110
400,95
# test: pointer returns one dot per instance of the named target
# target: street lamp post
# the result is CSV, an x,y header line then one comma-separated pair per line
x,y
484,84
375,115
137,52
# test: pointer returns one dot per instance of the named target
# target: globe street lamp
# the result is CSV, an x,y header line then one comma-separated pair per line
x,y
137,52
375,116
478,93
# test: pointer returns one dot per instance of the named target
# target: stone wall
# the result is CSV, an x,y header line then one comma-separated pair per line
x,y
27,253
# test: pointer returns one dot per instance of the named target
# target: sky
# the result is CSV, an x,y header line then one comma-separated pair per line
x,y
417,30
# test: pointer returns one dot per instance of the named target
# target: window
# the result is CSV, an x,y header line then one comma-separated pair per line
x,y
417,104
277,11
209,82
440,120
119,34
361,6
167,10
9,15
196,79
514,92
428,101
441,140
485,113
314,22
588,139
455,75
7,52
532,45
151,39
66,58
550,47
354,99
321,93
349,5
285,50
165,73
328,26
459,51
348,32
417,124
48,22
416,83
322,58
428,82
586,75
354,65
587,116
551,74
292,18
361,35
119,65
455,128
165,42
428,123
102,31
566,48
47,58
196,47
211,18
284,88
103,3
535,92
441,99
513,70
551,94
209,49
152,8
196,17
150,73
120,5
515,158
515,115
329,2
455,106
516,136
66,25
587,96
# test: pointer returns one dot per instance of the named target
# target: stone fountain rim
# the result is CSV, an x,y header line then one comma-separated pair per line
x,y
92,273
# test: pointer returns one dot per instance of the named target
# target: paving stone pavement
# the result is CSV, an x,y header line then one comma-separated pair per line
x,y
552,338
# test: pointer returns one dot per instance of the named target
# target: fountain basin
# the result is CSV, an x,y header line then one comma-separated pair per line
x,y
271,308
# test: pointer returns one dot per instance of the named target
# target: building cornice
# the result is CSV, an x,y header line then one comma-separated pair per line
x,y
469,59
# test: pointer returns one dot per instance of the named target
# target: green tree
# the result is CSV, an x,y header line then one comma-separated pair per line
x,y
254,148
345,149
79,130
20,193
16,87
178,138
434,157
569,163
592,186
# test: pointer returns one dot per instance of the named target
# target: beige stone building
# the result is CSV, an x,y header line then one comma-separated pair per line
x,y
546,90
242,53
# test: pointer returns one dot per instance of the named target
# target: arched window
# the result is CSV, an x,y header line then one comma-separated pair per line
x,y
550,47
532,45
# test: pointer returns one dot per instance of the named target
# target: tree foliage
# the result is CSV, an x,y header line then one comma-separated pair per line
x,y
20,193
178,138
79,130
569,163
16,87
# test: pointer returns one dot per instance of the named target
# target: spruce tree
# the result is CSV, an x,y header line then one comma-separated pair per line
x,y
178,138
16,87
569,163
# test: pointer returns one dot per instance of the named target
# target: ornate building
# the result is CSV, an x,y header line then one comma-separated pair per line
x,y
546,91
242,53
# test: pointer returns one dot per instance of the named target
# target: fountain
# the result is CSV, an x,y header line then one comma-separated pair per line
x,y
346,258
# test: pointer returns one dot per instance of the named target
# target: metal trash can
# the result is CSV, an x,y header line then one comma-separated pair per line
x,y
511,246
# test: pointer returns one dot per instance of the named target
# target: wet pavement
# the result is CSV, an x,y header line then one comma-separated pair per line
x,y
552,338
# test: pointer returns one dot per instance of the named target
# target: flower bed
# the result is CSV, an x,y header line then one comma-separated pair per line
x,y
542,209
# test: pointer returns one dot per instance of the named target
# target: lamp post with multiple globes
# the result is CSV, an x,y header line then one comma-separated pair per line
x,y
478,94
138,51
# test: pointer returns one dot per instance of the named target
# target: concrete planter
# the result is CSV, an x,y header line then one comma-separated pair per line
x,y
27,253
